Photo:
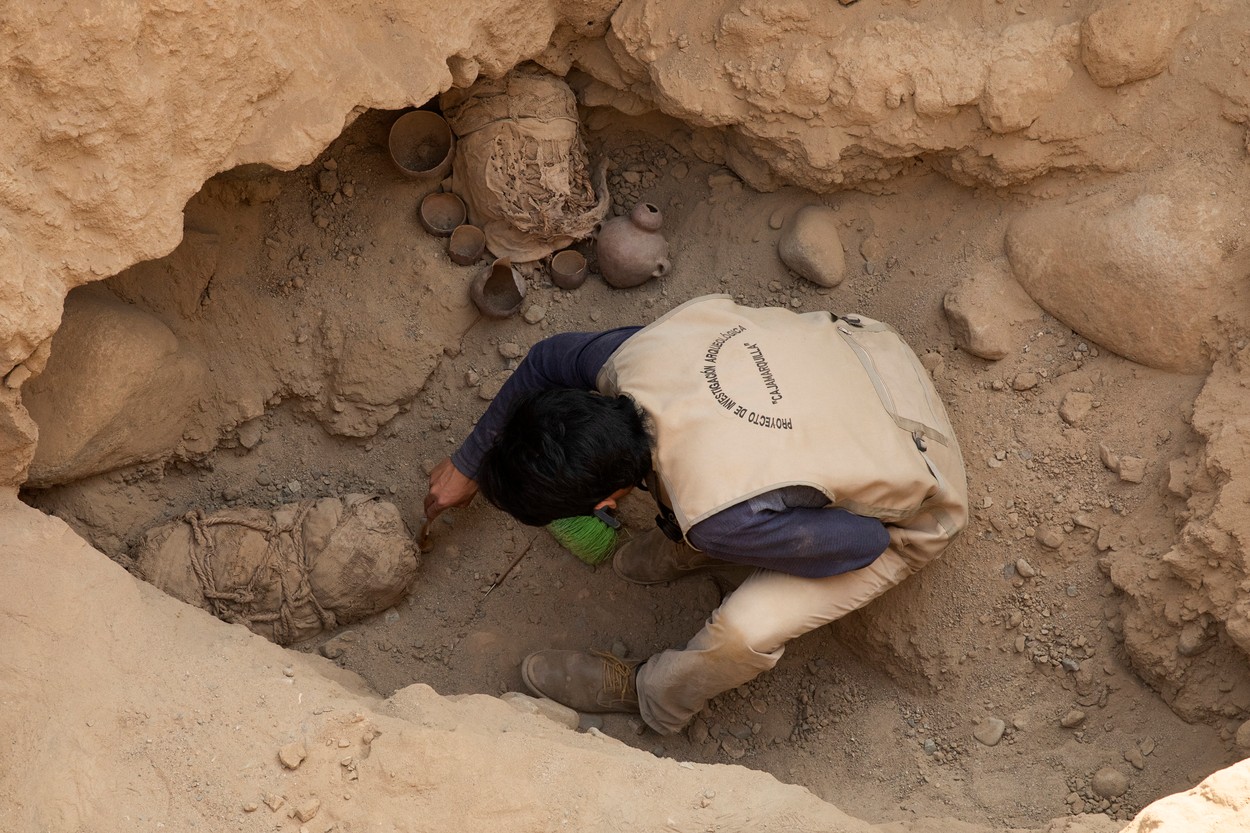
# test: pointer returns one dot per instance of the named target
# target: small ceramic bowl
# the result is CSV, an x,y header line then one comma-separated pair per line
x,y
466,245
421,145
498,290
441,212
568,269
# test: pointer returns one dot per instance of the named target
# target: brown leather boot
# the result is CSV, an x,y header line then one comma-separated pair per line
x,y
585,681
653,557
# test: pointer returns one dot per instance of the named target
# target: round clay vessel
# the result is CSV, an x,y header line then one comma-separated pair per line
x,y
466,245
441,212
568,269
421,143
631,249
498,290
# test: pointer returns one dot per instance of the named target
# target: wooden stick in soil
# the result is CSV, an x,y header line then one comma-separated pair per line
x,y
508,569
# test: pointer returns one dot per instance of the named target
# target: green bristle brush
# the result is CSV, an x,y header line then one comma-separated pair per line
x,y
592,538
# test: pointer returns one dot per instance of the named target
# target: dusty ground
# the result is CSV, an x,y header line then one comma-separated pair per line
x,y
874,714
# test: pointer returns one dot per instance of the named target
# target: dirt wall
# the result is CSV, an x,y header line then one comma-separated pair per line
x,y
117,117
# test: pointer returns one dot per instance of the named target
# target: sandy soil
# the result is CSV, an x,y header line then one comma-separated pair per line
x,y
876,713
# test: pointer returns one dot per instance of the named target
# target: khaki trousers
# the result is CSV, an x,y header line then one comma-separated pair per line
x,y
747,634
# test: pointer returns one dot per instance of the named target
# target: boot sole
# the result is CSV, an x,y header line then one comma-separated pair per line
x,y
525,678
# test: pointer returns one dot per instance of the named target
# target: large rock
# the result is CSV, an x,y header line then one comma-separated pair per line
x,y
1147,279
117,390
1030,72
1129,40
826,96
1220,803
1186,614
985,308
810,246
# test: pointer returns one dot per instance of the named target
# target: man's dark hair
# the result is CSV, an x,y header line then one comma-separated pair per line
x,y
561,452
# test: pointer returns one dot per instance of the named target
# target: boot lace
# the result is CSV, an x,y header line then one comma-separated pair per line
x,y
618,676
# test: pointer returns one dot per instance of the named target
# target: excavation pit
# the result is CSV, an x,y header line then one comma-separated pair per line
x,y
1046,199
358,363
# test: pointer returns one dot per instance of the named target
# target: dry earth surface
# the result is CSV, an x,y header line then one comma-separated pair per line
x,y
1077,654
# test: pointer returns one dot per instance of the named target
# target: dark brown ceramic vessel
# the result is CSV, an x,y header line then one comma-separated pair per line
x,y
568,269
498,290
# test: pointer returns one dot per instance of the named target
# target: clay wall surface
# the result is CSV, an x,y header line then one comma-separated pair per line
x,y
116,122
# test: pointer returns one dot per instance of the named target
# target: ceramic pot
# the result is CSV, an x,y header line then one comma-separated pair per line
x,y
568,269
466,245
421,145
440,213
631,249
498,290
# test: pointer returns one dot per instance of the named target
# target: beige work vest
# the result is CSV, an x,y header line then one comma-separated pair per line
x,y
745,400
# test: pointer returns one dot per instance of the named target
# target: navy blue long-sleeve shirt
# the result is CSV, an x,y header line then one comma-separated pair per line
x,y
790,530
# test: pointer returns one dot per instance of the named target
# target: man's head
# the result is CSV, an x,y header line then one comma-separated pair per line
x,y
562,452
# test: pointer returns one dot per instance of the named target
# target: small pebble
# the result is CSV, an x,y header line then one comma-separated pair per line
x,y
1049,538
989,731
534,314
1075,407
1109,782
292,755
1132,469
306,811
1242,738
1024,381
1074,718
1135,757
1024,569
251,807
